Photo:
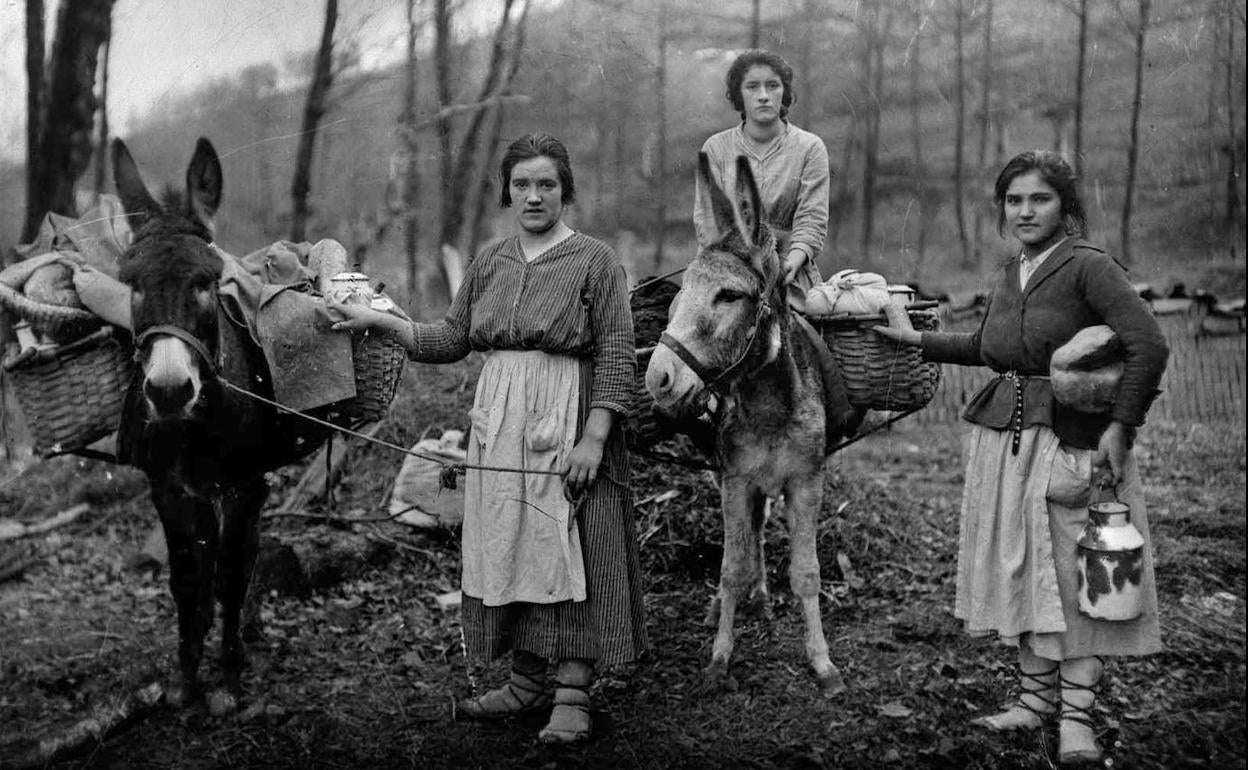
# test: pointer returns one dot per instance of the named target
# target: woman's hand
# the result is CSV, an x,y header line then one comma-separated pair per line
x,y
1109,462
581,470
793,262
899,328
583,463
356,317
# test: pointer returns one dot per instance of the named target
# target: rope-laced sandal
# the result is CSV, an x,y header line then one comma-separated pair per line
x,y
1076,740
524,694
1035,704
569,720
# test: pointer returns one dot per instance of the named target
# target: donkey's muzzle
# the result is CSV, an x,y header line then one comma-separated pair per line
x,y
671,383
169,400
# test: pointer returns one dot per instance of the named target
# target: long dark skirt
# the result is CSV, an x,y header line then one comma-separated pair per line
x,y
609,627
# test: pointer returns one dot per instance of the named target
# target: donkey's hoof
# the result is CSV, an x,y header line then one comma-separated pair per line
x,y
712,613
717,679
179,693
222,702
831,683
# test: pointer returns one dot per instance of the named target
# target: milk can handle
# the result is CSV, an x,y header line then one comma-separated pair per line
x,y
1099,490
1098,494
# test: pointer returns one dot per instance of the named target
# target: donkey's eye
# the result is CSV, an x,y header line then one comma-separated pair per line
x,y
729,295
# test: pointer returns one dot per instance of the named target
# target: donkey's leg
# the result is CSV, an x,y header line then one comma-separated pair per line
x,y
805,498
758,599
191,535
742,507
240,536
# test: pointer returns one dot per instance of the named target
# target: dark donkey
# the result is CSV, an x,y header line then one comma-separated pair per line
x,y
730,330
204,447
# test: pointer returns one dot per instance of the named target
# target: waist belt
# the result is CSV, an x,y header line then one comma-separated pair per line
x,y
1016,416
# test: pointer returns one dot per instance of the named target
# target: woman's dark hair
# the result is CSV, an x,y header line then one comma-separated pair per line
x,y
532,146
736,75
1056,173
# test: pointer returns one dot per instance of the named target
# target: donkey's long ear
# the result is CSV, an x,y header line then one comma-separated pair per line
x,y
713,194
138,202
203,183
749,206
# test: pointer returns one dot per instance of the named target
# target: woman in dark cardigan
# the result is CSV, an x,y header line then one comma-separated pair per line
x,y
1031,460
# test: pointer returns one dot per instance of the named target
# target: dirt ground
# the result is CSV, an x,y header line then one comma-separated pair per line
x,y
366,673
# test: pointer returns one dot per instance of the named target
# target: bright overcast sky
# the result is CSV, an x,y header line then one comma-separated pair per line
x,y
164,47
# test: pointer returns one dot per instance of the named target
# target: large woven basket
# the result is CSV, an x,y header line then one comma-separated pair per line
x,y
72,395
879,373
378,362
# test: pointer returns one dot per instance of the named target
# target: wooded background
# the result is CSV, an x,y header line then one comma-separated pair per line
x,y
920,102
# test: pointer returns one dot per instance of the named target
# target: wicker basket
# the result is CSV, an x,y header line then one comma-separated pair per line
x,y
378,362
881,374
72,395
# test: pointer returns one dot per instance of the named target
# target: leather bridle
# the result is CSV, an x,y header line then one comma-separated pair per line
x,y
710,378
176,331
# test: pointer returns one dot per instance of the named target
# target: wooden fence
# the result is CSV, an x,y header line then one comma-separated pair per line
x,y
1204,379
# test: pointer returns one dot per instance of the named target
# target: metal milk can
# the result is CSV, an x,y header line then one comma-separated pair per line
x,y
1110,563
350,289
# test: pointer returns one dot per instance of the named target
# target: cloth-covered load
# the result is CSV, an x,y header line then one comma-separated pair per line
x,y
848,291
66,290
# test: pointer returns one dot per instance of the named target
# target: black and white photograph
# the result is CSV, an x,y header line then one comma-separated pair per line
x,y
623,384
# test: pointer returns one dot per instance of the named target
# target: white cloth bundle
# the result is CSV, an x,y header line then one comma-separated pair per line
x,y
848,291
418,499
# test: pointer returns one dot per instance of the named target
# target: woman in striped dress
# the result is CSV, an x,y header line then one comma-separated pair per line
x,y
550,559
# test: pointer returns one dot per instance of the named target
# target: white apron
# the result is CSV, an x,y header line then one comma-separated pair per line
x,y
520,543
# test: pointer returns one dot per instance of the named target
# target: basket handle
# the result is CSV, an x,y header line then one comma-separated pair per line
x,y
51,354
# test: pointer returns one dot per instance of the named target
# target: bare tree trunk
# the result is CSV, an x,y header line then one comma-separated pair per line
x,y
756,26
1133,145
1234,218
1211,112
985,126
874,78
491,127
59,141
660,175
35,85
919,182
101,147
453,204
314,110
959,193
442,82
805,63
841,200
411,167
1080,76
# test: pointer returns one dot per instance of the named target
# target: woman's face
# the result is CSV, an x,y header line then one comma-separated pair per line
x,y
536,194
1033,211
762,93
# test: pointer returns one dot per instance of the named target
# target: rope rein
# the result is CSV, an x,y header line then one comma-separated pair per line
x,y
456,467
460,468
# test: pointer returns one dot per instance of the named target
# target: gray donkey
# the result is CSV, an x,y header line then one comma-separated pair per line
x,y
731,331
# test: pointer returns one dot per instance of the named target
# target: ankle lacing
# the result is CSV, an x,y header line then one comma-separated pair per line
x,y
1042,684
1074,713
